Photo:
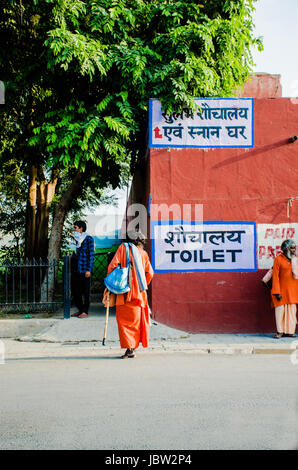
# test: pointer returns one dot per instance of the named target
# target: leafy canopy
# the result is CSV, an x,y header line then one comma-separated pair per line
x,y
106,58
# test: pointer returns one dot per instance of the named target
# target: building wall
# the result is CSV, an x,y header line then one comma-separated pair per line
x,y
262,85
232,184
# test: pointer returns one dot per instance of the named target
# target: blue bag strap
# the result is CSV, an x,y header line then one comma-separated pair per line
x,y
127,254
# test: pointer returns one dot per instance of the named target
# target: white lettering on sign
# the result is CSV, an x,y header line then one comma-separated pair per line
x,y
270,238
207,246
215,123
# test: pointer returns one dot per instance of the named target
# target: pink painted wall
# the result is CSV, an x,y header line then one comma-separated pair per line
x,y
232,184
262,85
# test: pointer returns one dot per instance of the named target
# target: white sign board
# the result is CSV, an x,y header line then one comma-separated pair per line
x,y
216,123
208,246
270,238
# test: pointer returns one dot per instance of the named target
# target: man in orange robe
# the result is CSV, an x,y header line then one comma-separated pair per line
x,y
132,310
284,292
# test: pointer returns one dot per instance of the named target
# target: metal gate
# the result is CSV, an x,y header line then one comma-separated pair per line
x,y
24,285
38,286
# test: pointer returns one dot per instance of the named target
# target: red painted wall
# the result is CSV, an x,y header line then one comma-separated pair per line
x,y
232,184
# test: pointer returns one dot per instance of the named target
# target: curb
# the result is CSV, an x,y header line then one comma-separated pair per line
x,y
83,350
50,337
247,349
273,351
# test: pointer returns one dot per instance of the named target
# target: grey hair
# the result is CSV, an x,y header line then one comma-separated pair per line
x,y
286,244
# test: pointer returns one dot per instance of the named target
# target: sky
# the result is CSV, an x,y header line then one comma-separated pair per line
x,y
277,22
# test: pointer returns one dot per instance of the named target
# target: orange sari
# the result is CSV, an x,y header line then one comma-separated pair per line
x,y
284,283
132,311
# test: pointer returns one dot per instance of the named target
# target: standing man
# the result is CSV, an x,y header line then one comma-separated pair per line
x,y
284,291
82,273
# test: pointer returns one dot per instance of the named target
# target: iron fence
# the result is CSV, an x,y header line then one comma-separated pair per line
x,y
25,285
43,286
99,272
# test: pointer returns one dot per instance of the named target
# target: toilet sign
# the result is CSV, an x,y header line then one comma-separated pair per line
x,y
208,246
215,123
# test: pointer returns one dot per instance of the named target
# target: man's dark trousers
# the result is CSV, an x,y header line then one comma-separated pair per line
x,y
81,291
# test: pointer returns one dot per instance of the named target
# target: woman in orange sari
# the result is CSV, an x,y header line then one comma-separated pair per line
x,y
284,292
132,310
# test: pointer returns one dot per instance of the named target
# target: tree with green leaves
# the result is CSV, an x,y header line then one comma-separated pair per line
x,y
33,90
12,209
79,75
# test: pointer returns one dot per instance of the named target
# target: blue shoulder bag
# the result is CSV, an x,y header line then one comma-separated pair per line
x,y
119,280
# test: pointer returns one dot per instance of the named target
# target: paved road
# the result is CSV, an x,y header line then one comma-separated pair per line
x,y
159,401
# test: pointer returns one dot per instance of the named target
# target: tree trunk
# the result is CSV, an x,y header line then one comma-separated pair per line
x,y
31,214
39,201
63,208
46,193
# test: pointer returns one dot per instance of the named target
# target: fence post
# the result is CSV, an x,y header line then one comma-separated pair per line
x,y
66,286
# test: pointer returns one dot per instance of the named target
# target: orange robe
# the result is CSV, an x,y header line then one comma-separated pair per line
x,y
132,311
283,282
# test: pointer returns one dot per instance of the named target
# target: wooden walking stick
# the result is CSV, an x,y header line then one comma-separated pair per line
x,y
107,318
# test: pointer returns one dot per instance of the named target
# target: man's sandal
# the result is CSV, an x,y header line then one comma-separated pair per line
x,y
128,354
75,314
278,335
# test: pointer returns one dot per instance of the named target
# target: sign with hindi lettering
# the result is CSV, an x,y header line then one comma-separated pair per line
x,y
203,246
216,123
